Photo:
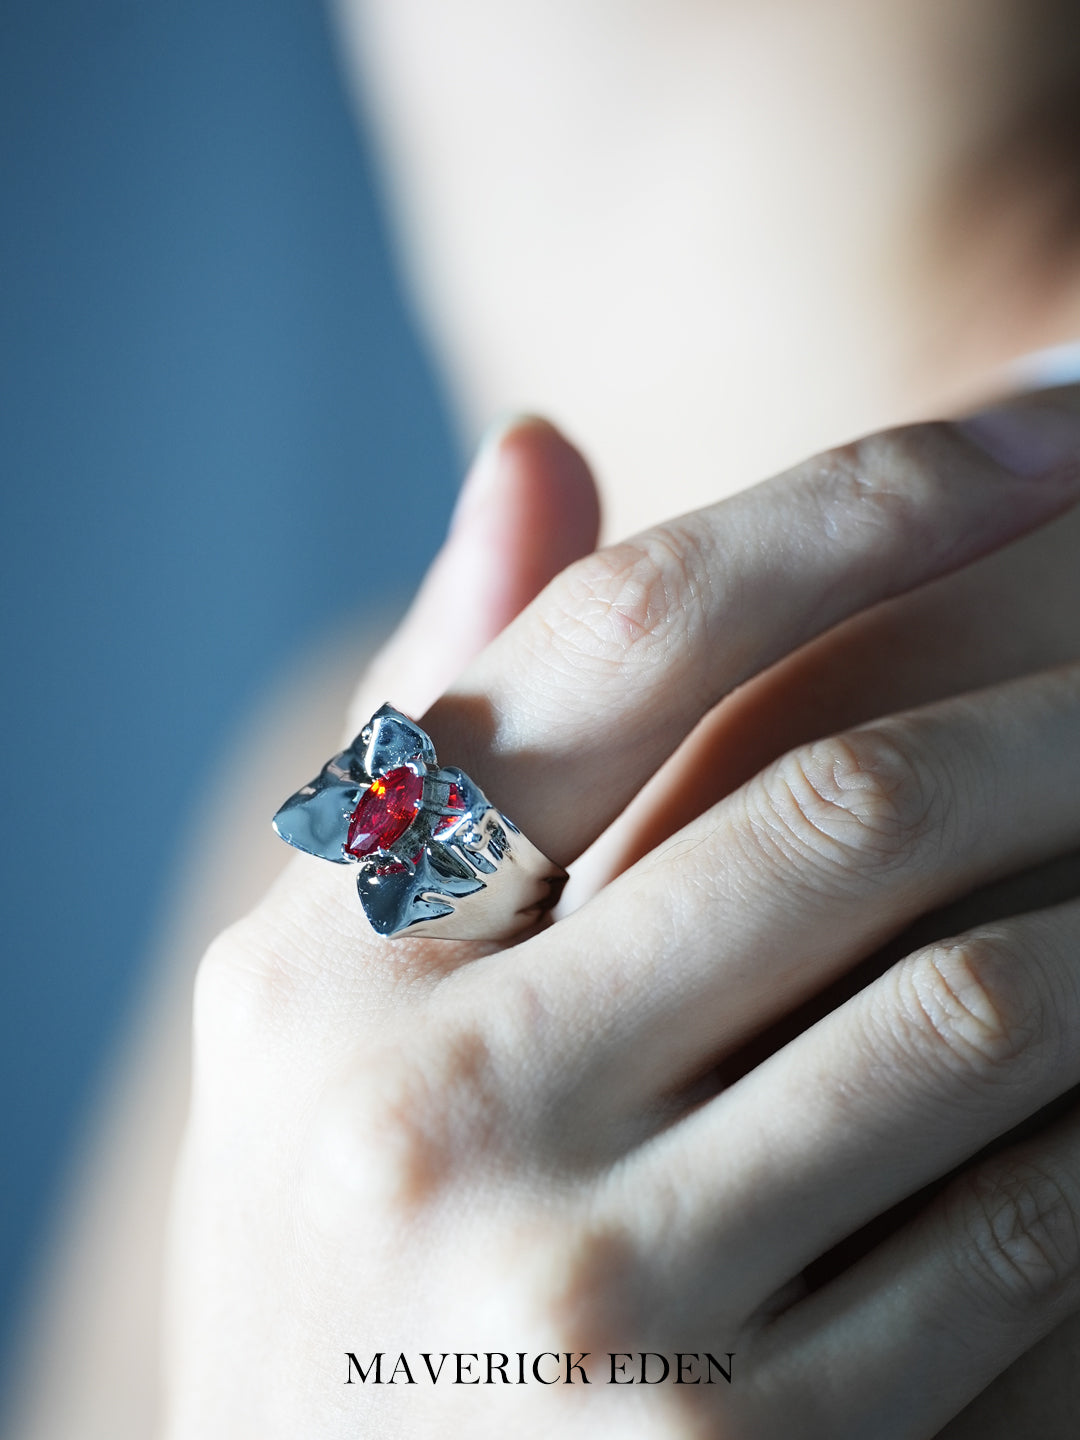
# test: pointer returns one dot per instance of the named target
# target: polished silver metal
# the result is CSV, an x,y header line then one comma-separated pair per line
x,y
461,872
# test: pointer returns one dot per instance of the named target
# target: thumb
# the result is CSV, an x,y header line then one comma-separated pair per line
x,y
528,509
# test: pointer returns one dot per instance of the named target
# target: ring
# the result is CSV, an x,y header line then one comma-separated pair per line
x,y
433,855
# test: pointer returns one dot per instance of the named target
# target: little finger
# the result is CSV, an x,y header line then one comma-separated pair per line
x,y
917,1329
938,1057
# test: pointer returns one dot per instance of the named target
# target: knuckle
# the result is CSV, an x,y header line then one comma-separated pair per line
x,y
590,1292
1019,1234
241,988
411,1121
869,489
968,1007
856,805
602,1281
623,601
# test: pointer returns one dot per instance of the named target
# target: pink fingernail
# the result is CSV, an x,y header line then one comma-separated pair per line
x,y
1029,438
483,476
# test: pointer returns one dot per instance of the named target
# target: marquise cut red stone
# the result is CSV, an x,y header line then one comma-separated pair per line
x,y
456,802
386,810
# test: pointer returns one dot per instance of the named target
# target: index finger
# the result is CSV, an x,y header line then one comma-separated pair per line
x,y
566,715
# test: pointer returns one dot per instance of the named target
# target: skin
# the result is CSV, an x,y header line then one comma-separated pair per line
x,y
401,1147
536,1140
712,237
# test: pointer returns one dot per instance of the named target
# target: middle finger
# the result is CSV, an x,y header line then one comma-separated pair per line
x,y
791,880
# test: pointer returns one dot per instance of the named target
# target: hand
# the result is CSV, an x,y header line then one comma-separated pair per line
x,y
411,1146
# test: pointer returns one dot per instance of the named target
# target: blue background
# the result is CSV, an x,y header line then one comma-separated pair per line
x,y
205,357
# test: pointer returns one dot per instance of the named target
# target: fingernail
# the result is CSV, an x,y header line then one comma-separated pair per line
x,y
483,476
1027,438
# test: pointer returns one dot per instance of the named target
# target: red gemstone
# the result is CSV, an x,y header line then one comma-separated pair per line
x,y
455,801
386,810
